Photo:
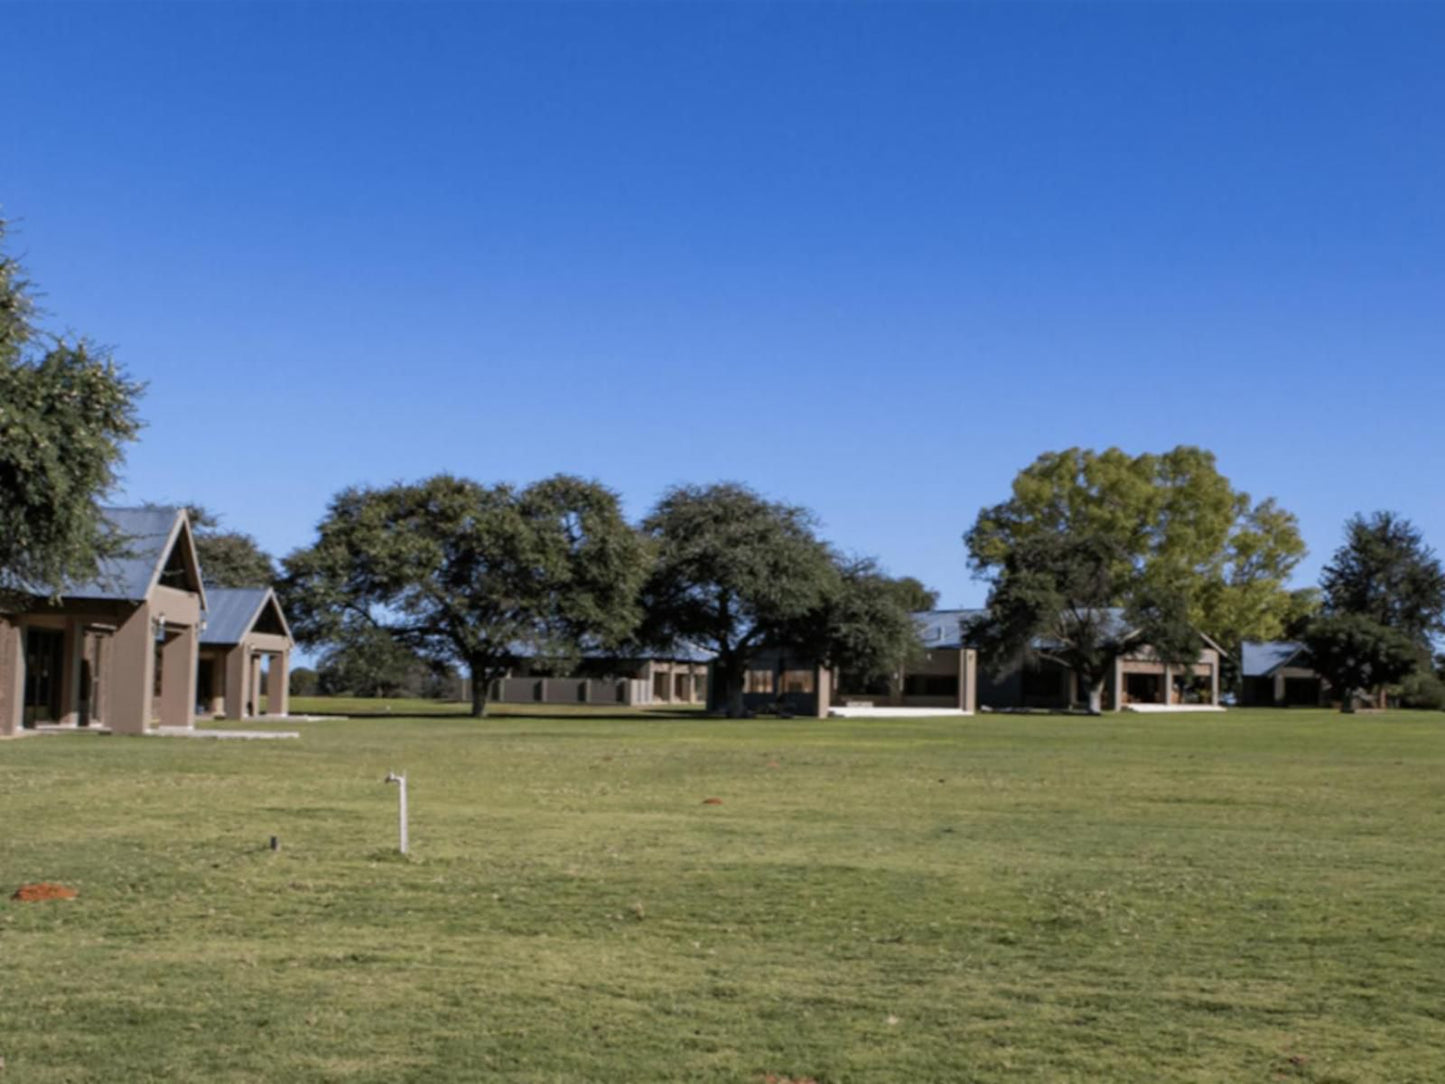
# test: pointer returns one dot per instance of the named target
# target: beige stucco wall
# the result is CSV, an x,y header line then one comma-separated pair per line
x,y
11,678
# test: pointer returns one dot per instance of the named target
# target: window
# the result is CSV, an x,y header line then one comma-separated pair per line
x,y
758,681
798,681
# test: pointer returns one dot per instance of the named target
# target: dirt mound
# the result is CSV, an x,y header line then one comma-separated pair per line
x,y
44,890
712,801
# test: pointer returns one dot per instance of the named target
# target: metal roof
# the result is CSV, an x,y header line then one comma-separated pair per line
x,y
943,628
1263,659
147,532
231,613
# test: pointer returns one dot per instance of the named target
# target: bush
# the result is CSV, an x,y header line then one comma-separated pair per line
x,y
1423,689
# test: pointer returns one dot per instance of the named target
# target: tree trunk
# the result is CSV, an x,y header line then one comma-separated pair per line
x,y
1347,703
730,673
479,690
1096,697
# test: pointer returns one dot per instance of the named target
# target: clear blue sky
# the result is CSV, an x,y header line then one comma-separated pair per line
x,y
867,258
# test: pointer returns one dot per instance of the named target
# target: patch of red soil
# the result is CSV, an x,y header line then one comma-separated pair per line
x,y
774,764
712,801
44,890
773,1078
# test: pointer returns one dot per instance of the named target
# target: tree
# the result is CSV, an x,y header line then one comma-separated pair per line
x,y
1386,572
66,411
303,681
863,625
1171,521
1356,654
365,661
229,558
1057,597
913,595
469,574
732,573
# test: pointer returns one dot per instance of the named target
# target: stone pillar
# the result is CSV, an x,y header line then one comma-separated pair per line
x,y
968,680
12,677
278,692
71,653
1168,684
178,678
1118,702
132,674
236,682
1278,689
823,686
1214,681
253,683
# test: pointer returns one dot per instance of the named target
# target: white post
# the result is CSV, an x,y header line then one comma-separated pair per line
x,y
400,781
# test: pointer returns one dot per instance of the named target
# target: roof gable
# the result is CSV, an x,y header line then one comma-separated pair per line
x,y
158,547
233,612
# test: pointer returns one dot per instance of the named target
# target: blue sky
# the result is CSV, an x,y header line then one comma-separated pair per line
x,y
868,258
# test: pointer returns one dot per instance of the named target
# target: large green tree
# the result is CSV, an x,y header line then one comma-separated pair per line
x,y
1173,525
1074,600
1358,655
733,572
1386,572
469,574
66,411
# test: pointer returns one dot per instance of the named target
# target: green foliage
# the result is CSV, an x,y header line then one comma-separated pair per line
x,y
863,626
1423,689
469,574
913,595
733,572
1056,596
1387,573
1358,655
365,661
1171,521
228,558
303,682
66,410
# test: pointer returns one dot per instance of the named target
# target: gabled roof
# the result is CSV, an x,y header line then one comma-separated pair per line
x,y
149,535
232,612
1263,659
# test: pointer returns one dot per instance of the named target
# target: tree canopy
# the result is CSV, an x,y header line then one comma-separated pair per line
x,y
228,558
1171,523
1386,572
66,411
736,573
471,574
1058,597
1357,654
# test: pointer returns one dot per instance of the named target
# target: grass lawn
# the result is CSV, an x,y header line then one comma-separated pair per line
x,y
1251,897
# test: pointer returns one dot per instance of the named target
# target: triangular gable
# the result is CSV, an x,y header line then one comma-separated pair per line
x,y
179,567
269,617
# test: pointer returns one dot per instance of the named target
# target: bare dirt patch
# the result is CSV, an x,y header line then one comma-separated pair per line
x,y
44,890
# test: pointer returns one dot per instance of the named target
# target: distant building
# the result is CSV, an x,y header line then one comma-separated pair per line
x,y
245,639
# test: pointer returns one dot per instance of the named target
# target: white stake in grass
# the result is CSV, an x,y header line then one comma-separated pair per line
x,y
400,781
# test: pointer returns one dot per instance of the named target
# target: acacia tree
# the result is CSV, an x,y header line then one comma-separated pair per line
x,y
66,410
732,573
469,574
1173,524
1058,597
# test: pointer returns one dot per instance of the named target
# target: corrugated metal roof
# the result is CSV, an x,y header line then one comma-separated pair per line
x,y
230,612
1263,659
129,578
943,628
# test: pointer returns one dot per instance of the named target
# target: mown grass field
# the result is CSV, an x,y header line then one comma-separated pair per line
x,y
1254,897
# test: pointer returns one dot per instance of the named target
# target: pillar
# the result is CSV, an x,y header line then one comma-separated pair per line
x,y
1278,689
253,683
823,686
1118,701
12,677
74,648
178,678
132,674
967,677
1168,684
236,681
278,692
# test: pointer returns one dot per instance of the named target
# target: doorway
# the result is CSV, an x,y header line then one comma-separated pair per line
x,y
44,668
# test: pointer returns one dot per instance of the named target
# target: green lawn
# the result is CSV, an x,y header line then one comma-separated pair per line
x,y
1255,897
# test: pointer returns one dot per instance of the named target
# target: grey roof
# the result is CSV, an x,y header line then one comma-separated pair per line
x,y
1263,659
230,612
943,628
146,532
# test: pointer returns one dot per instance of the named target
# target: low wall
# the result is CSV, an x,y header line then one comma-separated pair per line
x,y
567,690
